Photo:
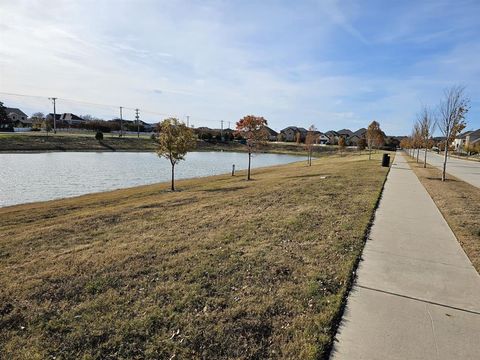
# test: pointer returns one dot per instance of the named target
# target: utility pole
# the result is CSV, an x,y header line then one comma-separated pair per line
x,y
138,123
188,120
221,129
54,99
121,122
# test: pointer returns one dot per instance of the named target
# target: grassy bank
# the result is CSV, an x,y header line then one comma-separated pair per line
x,y
67,142
10,142
459,203
223,268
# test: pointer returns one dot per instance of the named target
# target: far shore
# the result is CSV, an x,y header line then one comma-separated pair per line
x,y
40,143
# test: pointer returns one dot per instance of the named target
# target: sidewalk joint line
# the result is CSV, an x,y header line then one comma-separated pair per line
x,y
420,259
419,300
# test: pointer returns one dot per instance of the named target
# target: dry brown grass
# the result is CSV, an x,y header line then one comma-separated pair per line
x,y
223,268
459,202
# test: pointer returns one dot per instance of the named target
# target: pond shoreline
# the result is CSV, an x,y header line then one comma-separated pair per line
x,y
58,175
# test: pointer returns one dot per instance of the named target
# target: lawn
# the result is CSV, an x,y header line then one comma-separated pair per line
x,y
459,203
222,268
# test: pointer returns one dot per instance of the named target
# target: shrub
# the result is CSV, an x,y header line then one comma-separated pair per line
x,y
99,135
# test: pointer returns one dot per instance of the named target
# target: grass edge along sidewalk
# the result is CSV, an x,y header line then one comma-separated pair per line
x,y
222,268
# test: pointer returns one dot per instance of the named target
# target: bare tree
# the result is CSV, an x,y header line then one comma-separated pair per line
x,y
310,140
426,123
451,117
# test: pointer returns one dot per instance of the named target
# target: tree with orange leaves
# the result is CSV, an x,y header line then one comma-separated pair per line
x,y
253,130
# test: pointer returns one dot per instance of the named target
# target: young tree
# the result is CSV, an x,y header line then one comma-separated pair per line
x,y
362,144
373,136
252,128
37,119
341,144
5,122
427,124
405,143
298,137
417,138
175,139
47,125
451,117
310,141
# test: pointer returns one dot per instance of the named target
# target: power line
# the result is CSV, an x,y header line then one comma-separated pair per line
x,y
109,106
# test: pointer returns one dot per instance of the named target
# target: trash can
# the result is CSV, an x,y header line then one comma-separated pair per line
x,y
386,160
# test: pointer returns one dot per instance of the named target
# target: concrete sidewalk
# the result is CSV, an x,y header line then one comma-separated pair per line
x,y
417,296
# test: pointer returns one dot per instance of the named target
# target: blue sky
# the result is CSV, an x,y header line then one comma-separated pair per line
x,y
334,64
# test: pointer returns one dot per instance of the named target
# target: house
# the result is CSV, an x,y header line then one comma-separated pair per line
x,y
332,136
466,139
322,138
290,133
360,132
357,136
473,139
72,119
147,127
346,133
272,134
18,118
354,140
49,117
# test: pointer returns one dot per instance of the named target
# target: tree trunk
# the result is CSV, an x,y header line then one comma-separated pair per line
x,y
369,152
173,177
444,172
418,154
249,162
425,159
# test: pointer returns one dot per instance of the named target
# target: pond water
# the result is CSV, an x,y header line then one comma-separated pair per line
x,y
27,177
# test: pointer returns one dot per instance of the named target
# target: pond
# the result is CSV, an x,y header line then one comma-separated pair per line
x,y
27,177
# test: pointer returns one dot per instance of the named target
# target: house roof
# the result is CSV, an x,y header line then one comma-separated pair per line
x,y
360,132
271,132
464,134
15,111
331,133
347,132
70,116
50,116
295,128
475,134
